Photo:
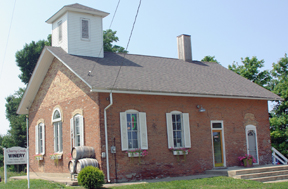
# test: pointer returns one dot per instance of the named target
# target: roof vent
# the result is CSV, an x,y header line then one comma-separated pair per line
x,y
184,47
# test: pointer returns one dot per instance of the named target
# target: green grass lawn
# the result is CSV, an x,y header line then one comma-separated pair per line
x,y
215,182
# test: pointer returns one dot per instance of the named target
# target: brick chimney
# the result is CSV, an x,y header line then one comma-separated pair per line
x,y
184,47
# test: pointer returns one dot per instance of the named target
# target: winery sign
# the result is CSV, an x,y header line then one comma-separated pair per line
x,y
15,155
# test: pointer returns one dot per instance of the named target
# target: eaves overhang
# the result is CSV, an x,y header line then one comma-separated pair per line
x,y
66,9
143,92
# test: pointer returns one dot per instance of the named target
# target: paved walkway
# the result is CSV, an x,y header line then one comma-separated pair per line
x,y
64,178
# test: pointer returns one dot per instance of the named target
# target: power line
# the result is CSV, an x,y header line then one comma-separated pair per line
x,y
7,40
127,45
103,43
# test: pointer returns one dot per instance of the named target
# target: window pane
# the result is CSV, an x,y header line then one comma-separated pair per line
x,y
179,142
216,125
174,134
179,126
135,144
56,115
129,126
129,135
130,144
78,140
173,118
40,132
85,33
134,135
174,126
178,118
128,117
179,134
134,121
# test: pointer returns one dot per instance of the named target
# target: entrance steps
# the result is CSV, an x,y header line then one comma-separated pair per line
x,y
270,173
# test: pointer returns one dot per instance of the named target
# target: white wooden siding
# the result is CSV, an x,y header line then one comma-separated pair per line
x,y
55,40
90,47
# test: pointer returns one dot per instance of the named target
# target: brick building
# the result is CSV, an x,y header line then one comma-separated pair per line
x,y
80,96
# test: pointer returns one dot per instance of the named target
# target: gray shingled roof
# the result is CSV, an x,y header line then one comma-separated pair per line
x,y
163,75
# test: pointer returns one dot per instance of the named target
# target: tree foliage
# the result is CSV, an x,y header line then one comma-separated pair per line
x,y
210,59
279,120
27,57
17,132
251,70
109,37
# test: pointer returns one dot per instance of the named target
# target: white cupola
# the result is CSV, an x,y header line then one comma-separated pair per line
x,y
77,29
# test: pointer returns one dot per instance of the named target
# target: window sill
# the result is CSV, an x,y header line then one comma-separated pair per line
x,y
180,152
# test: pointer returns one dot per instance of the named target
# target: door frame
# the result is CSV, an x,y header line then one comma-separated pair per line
x,y
253,128
223,141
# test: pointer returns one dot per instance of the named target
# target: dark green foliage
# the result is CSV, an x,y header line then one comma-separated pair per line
x,y
91,177
27,57
17,133
279,120
251,70
210,59
109,37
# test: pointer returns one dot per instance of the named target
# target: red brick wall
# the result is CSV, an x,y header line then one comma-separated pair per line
x,y
160,162
58,89
61,87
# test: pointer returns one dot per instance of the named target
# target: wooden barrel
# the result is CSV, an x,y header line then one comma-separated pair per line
x,y
80,152
81,163
72,166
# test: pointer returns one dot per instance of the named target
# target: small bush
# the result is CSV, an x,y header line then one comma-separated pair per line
x,y
91,177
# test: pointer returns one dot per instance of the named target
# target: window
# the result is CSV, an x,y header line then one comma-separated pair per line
x,y
178,130
77,130
57,124
60,30
133,130
40,139
85,28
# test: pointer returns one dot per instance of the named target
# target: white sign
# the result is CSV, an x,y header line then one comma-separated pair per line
x,y
16,155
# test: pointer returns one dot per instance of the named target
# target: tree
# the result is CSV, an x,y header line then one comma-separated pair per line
x,y
27,57
109,37
210,59
17,129
279,120
251,70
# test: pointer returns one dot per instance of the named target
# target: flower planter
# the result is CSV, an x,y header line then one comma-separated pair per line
x,y
248,163
180,152
134,154
39,158
56,156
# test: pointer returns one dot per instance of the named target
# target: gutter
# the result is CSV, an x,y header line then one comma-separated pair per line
x,y
106,137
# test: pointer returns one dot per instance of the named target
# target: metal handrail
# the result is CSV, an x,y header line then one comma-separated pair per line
x,y
277,155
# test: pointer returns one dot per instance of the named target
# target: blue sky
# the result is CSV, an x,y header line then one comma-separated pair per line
x,y
225,29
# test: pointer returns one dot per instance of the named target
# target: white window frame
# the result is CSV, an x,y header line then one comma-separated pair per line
x,y
58,134
185,130
60,31
223,140
81,29
247,129
73,130
38,141
141,130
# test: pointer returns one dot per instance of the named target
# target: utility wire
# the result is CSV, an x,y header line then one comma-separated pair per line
x,y
127,45
103,41
7,39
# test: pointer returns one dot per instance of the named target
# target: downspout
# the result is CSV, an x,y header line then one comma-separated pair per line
x,y
106,137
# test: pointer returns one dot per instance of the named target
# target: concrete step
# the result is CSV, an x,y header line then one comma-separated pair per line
x,y
270,178
264,174
255,170
275,181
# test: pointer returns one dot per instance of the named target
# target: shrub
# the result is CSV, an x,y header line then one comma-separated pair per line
x,y
91,177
